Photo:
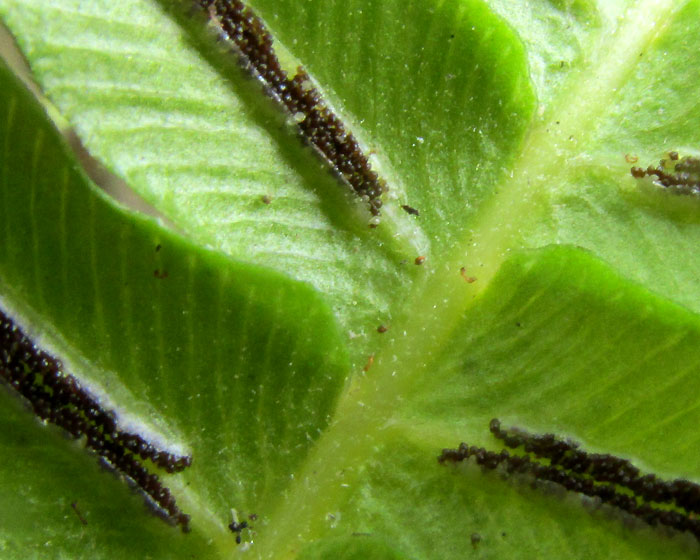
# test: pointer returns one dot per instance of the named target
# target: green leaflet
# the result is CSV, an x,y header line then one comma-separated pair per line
x,y
645,112
43,473
195,121
458,80
506,127
202,145
558,342
82,273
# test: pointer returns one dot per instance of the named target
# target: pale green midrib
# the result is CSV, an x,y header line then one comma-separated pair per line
x,y
502,223
443,297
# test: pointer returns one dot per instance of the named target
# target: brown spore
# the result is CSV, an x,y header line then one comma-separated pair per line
x,y
237,527
680,175
410,210
614,480
468,279
57,397
318,125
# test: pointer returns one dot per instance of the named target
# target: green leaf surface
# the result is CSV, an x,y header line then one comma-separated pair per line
x,y
358,545
597,387
182,339
245,333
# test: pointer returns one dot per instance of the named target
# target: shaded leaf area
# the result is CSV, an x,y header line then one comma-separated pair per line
x,y
43,473
558,343
445,103
239,366
359,546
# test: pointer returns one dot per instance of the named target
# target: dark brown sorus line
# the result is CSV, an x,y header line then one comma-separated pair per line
x,y
614,480
318,124
602,468
679,175
58,398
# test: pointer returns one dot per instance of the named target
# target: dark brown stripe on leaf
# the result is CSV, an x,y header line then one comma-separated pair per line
x,y
317,123
614,480
679,175
602,467
58,398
